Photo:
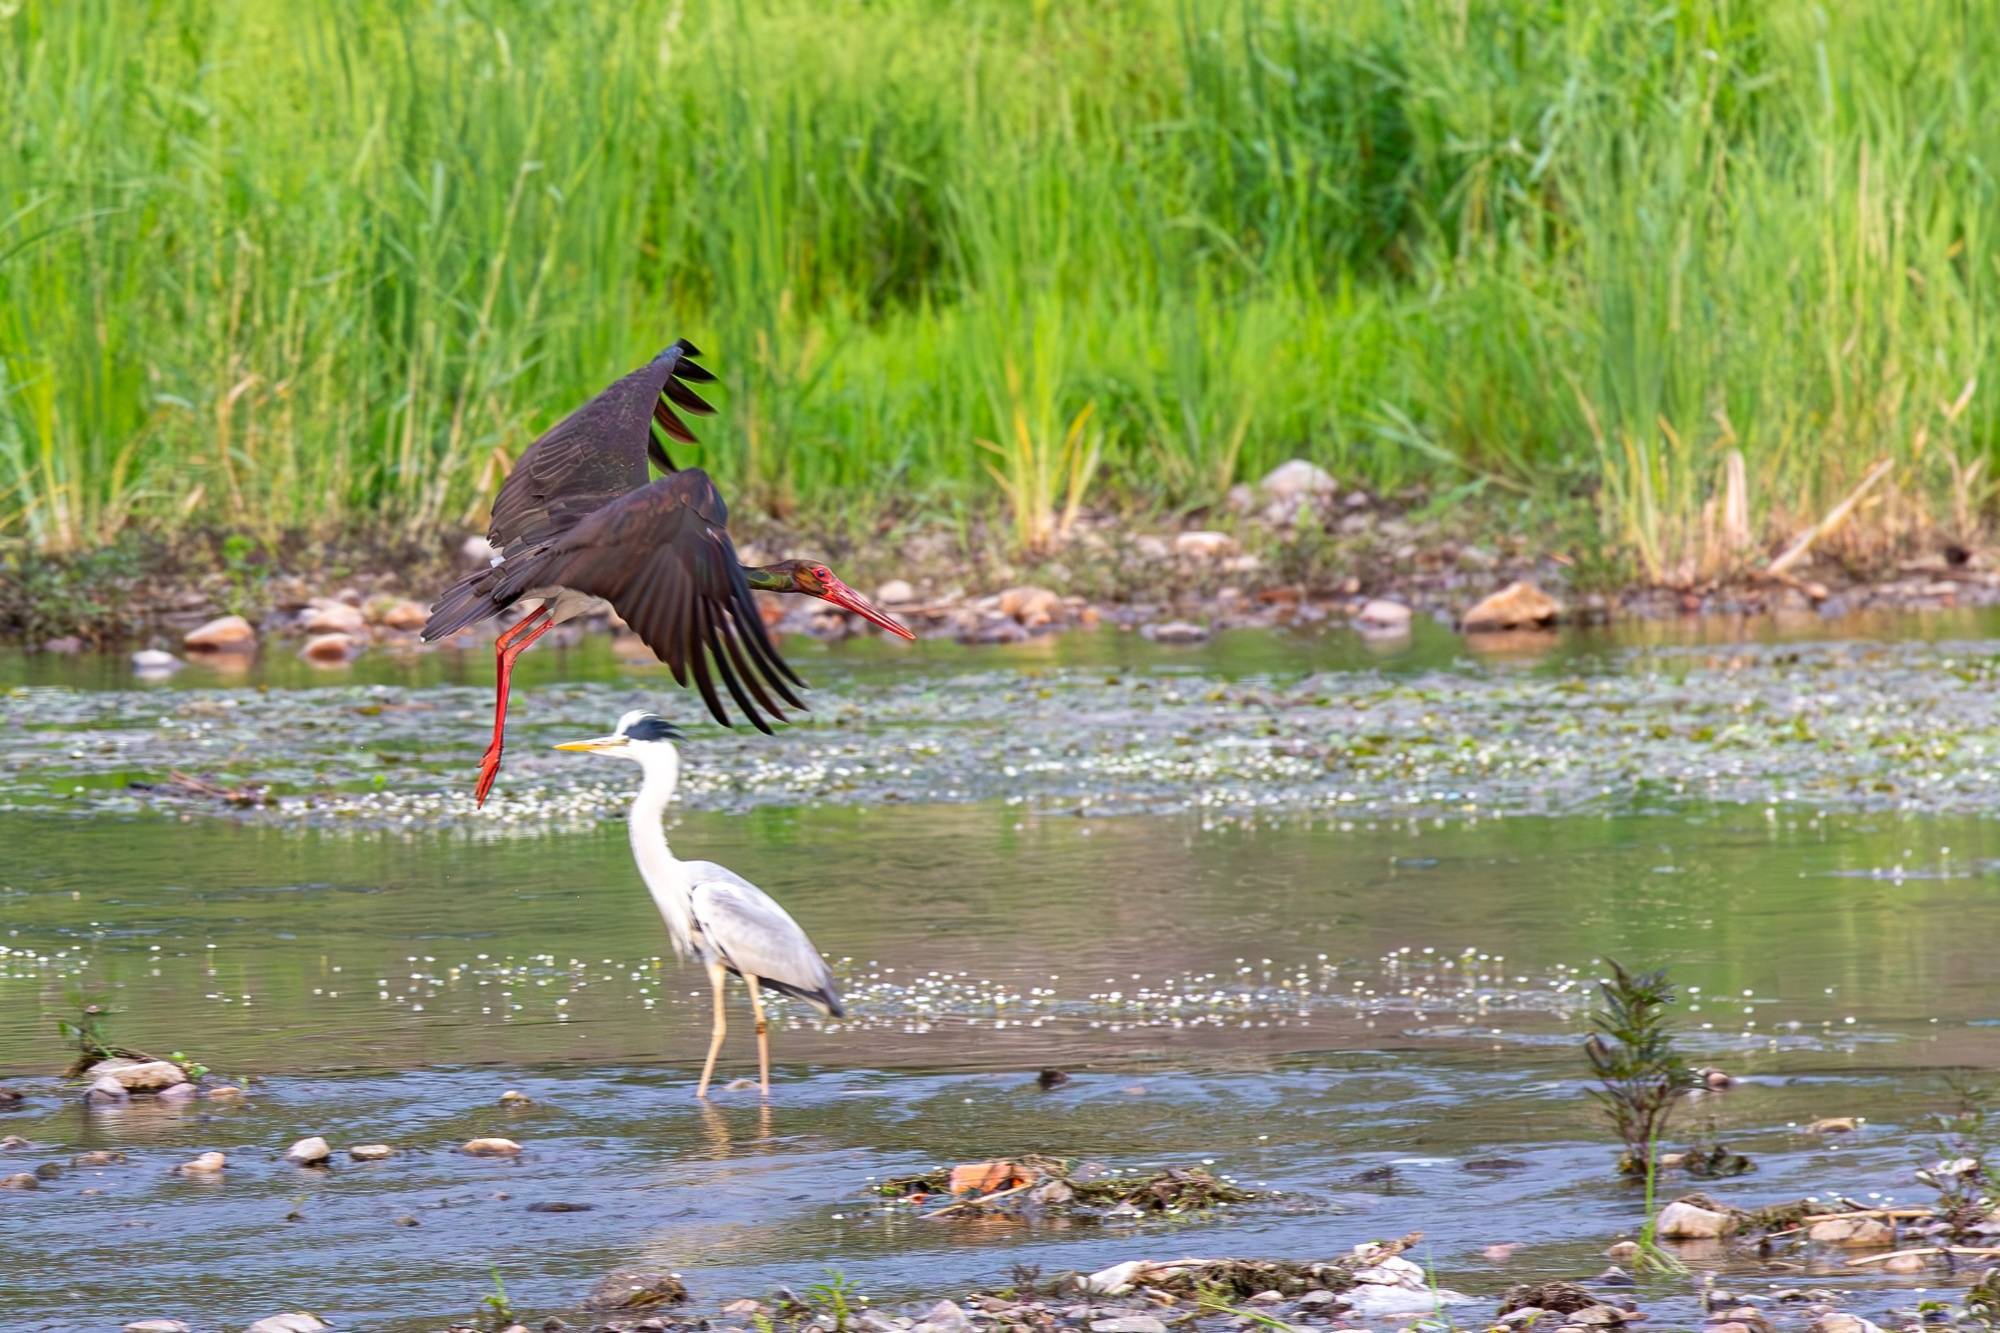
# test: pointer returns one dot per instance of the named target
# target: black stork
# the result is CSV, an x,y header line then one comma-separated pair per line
x,y
581,524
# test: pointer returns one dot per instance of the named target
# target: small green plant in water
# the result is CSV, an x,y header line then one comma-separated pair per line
x,y
1651,1258
1639,1073
496,1311
1968,1157
193,1068
837,1297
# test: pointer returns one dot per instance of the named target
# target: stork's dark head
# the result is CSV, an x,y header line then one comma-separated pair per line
x,y
813,579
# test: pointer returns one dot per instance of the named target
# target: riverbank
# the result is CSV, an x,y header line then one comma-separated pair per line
x,y
1297,549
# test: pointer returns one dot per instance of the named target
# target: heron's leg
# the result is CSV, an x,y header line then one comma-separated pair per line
x,y
716,974
505,649
763,1040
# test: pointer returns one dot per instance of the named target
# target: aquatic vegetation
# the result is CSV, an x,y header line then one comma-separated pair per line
x,y
1035,1185
1631,1052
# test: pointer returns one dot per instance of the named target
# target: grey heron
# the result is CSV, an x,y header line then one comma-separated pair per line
x,y
712,914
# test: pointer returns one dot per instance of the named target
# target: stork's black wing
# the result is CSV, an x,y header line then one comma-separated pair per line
x,y
661,555
599,451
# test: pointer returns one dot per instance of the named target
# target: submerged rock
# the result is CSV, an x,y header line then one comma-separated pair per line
x,y
296,1321
98,1157
107,1091
1176,631
208,1164
1382,616
371,1152
1681,1220
308,1152
152,661
330,649
1519,605
1835,1124
636,1291
328,616
514,1098
492,1148
20,1180
1853,1233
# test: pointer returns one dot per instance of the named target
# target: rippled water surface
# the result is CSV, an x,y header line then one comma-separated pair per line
x,y
1298,907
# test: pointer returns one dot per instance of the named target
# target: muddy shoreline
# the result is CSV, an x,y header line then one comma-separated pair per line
x,y
1309,559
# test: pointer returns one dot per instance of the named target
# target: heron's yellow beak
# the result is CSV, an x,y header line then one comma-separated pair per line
x,y
601,743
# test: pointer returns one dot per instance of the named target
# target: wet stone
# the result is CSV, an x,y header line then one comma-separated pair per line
x,y
13,1141
48,1171
1852,1233
20,1180
208,1164
371,1152
297,1321
98,1157
1128,1324
560,1206
308,1152
107,1091
492,1148
156,1326
138,1075
636,1291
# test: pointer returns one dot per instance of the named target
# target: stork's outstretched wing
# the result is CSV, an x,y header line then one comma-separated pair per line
x,y
599,451
662,557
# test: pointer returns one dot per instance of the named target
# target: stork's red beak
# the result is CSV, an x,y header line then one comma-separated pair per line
x,y
847,599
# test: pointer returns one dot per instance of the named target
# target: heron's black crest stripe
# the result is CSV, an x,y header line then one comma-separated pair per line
x,y
652,728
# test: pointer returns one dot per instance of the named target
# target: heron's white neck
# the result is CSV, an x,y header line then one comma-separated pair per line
x,y
666,876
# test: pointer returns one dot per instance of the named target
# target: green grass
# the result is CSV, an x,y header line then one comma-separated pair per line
x,y
270,266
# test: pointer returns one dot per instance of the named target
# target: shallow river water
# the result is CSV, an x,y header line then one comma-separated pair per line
x,y
1298,908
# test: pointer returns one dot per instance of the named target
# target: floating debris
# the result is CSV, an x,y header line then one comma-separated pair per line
x,y
1034,1186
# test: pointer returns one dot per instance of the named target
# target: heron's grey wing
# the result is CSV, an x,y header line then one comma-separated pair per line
x,y
747,928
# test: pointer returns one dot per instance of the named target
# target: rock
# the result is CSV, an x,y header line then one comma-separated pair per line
x,y
1033,607
1555,1297
65,645
1681,1220
477,550
636,1291
20,1180
328,616
1852,1233
371,1152
1382,616
1840,1322
1903,1263
13,1141
1176,631
156,1326
205,1165
1747,1317
1624,1252
330,649
139,1075
98,1157
1716,1079
405,1220
1316,1297
492,1148
11,1097
999,629
1113,1281
48,1171
155,661
1519,605
896,592
297,1321
1298,480
513,1098
1730,1326
224,1092
107,1091
1614,1276
1142,1323
1200,545
1497,1254
224,634
179,1092
308,1152
1149,547
403,614
1837,1124
561,1206
946,1317
1241,499
1379,1301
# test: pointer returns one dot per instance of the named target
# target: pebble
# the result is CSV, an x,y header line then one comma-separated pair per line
x,y
98,1157
308,1152
1033,607
1852,1233
1381,616
1840,1322
1904,1263
329,648
205,1165
404,614
896,592
153,661
107,1091
328,616
224,1092
296,1321
1519,605
371,1152
492,1148
223,634
139,1075
1623,1252
20,1180
1836,1124
1176,631
514,1098
156,1326
947,1317
1129,1324
48,1171
1202,545
1298,479
407,1221
1687,1221
13,1141
179,1092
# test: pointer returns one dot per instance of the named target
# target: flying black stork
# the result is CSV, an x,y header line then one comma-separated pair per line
x,y
582,525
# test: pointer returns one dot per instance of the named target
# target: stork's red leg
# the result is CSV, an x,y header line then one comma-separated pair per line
x,y
505,649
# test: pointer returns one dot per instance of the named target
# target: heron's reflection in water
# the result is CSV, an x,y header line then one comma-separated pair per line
x,y
715,1131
